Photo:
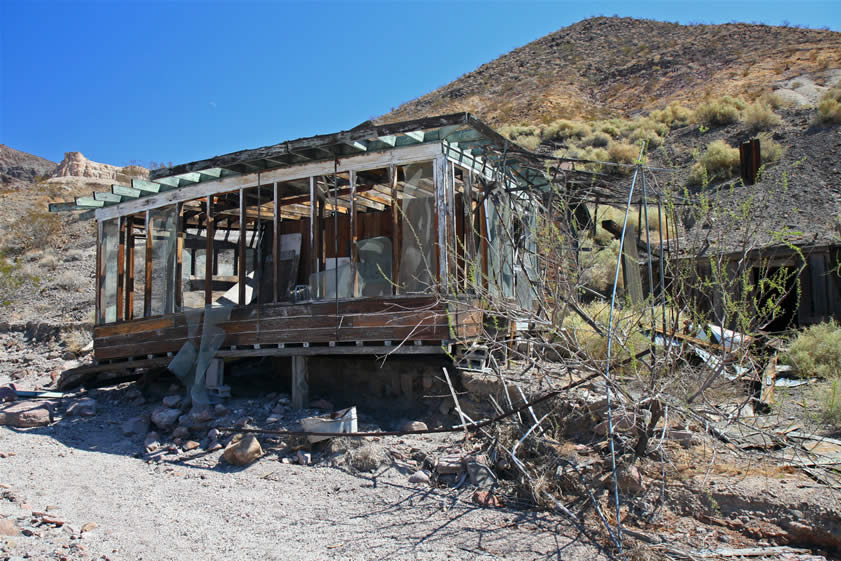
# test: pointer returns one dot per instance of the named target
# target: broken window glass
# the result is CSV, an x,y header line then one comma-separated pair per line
x,y
110,250
162,236
417,271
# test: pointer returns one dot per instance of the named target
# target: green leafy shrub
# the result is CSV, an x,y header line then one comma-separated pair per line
x,y
720,161
829,107
816,352
718,112
758,116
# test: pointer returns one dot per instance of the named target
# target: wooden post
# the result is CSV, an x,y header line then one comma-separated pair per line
x,y
208,254
469,232
275,242
451,244
300,383
100,317
439,174
147,269
483,236
242,261
395,230
129,302
258,246
179,255
314,225
353,236
121,263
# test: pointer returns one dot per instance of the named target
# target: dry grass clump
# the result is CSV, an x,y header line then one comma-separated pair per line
x,y
623,153
816,352
626,326
758,116
829,107
68,280
720,161
771,150
597,140
564,128
598,266
37,229
527,136
673,116
368,457
75,340
718,112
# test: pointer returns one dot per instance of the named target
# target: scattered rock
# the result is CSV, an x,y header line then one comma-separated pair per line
x,y
621,423
419,476
413,426
67,355
133,393
85,407
451,464
152,442
480,474
181,432
244,451
272,419
213,434
630,480
243,422
191,445
487,499
214,446
165,417
8,527
172,401
88,527
304,458
135,425
220,410
25,414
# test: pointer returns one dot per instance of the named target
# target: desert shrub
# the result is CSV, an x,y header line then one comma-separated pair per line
x,y
596,140
675,115
76,339
774,100
528,142
718,112
68,280
623,153
816,352
654,140
515,131
829,401
626,325
11,277
612,128
37,229
829,106
564,128
758,116
771,150
49,260
720,161
599,266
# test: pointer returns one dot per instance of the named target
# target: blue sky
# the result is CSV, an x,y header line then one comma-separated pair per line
x,y
181,81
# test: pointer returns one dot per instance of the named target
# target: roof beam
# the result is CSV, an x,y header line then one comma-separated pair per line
x,y
124,191
148,186
107,197
89,202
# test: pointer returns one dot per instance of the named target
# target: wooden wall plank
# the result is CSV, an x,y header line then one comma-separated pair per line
x,y
209,260
147,270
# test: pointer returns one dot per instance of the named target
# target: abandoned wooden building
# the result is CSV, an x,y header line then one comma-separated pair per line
x,y
335,244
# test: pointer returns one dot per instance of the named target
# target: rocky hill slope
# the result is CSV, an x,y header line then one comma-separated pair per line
x,y
607,66
19,168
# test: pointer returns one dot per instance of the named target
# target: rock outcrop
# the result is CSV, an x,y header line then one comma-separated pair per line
x,y
18,167
75,164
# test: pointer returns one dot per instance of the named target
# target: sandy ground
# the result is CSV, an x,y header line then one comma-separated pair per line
x,y
193,506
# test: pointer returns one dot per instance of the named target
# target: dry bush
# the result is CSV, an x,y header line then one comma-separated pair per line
x,y
368,457
626,326
599,266
816,352
653,139
772,151
829,107
830,404
75,340
612,127
597,140
720,161
758,116
718,112
675,115
623,153
49,260
68,280
37,229
564,128
775,100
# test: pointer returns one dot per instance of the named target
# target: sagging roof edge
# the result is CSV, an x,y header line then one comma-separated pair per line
x,y
364,131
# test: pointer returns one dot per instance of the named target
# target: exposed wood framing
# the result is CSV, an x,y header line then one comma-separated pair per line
x,y
439,175
395,229
399,156
147,270
121,264
209,261
100,316
353,236
179,255
275,241
129,301
314,227
241,251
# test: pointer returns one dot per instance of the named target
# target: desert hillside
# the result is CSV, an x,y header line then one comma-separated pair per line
x,y
608,67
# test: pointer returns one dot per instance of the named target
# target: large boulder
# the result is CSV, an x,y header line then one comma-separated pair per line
x,y
25,414
243,451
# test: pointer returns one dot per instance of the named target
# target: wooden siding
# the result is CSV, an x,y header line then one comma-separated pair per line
x,y
411,318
